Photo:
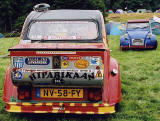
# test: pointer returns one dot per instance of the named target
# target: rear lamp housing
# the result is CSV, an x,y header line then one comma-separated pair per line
x,y
24,93
95,95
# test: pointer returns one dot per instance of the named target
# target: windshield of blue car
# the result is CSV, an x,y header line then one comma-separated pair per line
x,y
63,30
138,26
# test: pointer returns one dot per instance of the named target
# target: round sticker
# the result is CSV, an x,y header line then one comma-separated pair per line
x,y
65,64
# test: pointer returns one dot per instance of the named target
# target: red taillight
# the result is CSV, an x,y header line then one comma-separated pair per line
x,y
95,94
24,93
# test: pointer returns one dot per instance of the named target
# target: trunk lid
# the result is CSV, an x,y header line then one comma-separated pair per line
x,y
60,64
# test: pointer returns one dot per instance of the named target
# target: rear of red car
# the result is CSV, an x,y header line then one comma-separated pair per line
x,y
62,66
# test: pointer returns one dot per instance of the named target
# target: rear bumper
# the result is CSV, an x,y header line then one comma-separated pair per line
x,y
74,108
137,47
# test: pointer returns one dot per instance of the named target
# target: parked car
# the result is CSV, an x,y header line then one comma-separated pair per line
x,y
62,64
138,35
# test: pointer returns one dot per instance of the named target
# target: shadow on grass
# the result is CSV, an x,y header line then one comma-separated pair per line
x,y
60,117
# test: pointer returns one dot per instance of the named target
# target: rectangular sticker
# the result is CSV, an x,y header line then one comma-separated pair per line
x,y
56,52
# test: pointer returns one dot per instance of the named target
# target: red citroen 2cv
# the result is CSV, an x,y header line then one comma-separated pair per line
x,y
62,64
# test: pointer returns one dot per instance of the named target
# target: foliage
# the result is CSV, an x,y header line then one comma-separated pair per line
x,y
140,87
19,23
12,34
13,12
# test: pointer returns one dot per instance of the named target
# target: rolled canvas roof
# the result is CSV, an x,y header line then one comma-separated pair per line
x,y
65,15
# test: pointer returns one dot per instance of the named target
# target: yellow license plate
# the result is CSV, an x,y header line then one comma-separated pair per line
x,y
61,93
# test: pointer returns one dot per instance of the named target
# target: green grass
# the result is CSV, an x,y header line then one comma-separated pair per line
x,y
6,43
140,77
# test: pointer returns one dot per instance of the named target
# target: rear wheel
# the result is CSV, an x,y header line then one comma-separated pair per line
x,y
155,47
117,107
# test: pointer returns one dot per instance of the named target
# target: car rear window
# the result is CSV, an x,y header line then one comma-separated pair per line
x,y
63,30
138,25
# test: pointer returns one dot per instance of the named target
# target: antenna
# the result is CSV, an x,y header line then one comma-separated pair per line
x,y
41,7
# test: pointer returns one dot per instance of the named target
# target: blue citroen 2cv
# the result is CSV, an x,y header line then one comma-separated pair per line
x,y
138,35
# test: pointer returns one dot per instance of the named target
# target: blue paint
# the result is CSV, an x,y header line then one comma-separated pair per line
x,y
38,93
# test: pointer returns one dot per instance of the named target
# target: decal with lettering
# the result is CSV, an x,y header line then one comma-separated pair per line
x,y
95,61
60,37
81,64
37,61
71,58
18,62
61,75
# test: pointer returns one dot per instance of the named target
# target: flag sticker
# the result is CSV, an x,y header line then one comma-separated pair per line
x,y
18,62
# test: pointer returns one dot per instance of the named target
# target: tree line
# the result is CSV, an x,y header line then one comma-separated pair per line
x,y
14,12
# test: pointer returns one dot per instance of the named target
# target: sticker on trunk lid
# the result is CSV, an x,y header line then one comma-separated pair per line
x,y
81,64
37,61
56,62
18,62
95,61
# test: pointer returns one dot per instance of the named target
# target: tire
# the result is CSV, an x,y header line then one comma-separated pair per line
x,y
117,107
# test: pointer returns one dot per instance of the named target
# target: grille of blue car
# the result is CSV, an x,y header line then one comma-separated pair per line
x,y
137,41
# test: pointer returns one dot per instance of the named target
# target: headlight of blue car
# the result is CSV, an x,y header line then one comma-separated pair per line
x,y
126,36
149,36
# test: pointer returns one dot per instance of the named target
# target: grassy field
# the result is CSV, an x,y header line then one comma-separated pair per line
x,y
140,77
130,16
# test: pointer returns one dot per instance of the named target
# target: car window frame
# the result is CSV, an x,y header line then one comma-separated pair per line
x,y
98,39
138,22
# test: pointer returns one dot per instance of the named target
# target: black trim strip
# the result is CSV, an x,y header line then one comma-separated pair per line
x,y
56,50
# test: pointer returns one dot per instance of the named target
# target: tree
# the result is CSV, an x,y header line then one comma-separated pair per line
x,y
80,4
13,12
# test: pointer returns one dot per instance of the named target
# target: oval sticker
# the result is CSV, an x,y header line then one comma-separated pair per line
x,y
37,61
81,64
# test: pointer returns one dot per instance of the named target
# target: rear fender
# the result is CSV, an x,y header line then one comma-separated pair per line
x,y
9,89
114,84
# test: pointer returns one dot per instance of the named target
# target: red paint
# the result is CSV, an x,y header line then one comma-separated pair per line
x,y
114,90
33,53
9,89
60,46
